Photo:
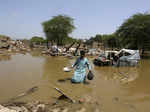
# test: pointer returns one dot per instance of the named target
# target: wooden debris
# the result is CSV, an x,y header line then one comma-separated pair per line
x,y
64,96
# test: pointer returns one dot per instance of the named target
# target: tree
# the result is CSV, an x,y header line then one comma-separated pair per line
x,y
37,40
98,38
69,40
135,31
4,37
58,28
111,40
90,41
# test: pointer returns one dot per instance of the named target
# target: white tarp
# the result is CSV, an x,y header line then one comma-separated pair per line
x,y
131,59
134,54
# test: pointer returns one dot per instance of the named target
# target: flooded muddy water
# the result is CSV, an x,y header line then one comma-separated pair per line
x,y
123,89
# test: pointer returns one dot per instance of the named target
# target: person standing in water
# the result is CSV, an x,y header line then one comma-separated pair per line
x,y
80,71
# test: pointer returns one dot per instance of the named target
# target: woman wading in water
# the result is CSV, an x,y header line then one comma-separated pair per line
x,y
80,71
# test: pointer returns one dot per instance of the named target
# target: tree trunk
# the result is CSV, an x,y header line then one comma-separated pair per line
x,y
47,45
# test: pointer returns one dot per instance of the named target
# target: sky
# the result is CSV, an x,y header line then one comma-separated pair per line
x,y
21,19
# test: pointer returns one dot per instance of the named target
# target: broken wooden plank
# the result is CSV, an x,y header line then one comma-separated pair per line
x,y
63,95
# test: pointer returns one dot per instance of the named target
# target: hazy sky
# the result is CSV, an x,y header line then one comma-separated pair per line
x,y
23,18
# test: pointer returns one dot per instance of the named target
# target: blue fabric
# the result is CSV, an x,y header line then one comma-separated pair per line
x,y
80,70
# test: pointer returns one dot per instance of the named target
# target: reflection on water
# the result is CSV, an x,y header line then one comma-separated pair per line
x,y
18,74
127,86
122,74
5,57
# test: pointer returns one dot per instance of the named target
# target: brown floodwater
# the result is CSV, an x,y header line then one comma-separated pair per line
x,y
123,89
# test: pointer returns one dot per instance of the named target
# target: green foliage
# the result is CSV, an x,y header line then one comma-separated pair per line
x,y
70,40
135,31
58,28
4,37
89,41
109,40
98,38
1,36
37,39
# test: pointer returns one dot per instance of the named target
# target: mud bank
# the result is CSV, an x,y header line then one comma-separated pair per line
x,y
61,105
